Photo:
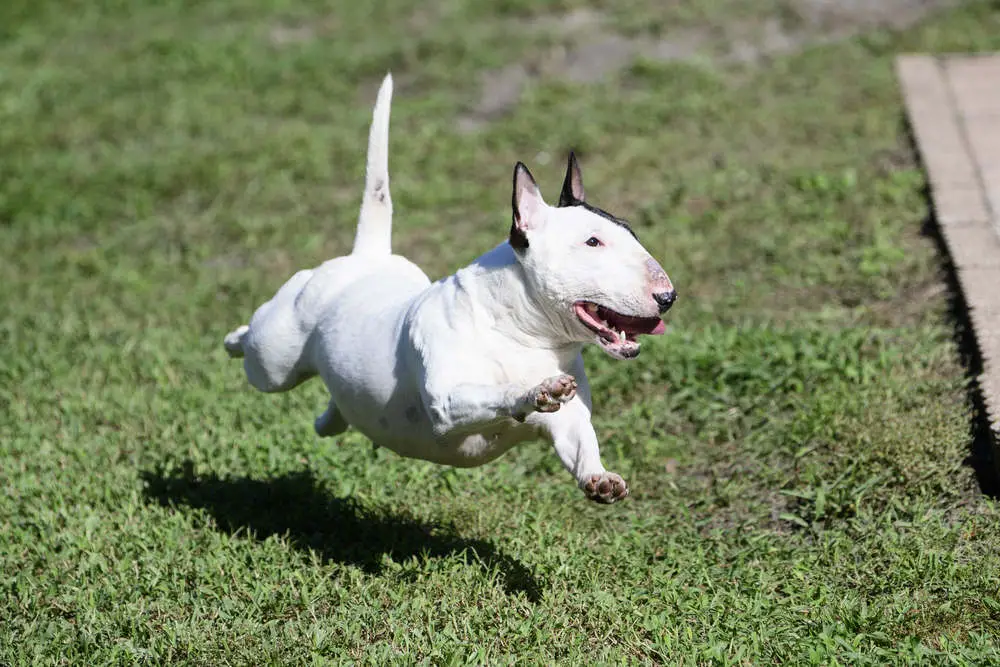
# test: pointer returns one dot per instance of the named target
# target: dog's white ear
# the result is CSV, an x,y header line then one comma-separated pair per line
x,y
528,207
572,189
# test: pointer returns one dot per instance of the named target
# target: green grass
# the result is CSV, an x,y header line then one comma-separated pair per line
x,y
796,445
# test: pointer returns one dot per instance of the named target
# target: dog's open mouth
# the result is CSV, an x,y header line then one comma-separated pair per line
x,y
617,333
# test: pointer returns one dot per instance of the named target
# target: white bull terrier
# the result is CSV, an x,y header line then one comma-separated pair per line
x,y
459,371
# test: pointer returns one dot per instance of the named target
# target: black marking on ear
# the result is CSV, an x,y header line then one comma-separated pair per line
x,y
573,195
572,190
518,239
379,190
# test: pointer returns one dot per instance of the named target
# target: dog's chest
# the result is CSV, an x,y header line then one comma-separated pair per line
x,y
523,367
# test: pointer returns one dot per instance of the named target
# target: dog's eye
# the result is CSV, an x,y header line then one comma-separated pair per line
x,y
593,242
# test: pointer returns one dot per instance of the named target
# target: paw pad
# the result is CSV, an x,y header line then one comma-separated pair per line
x,y
553,392
605,488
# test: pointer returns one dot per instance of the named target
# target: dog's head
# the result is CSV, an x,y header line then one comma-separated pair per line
x,y
587,267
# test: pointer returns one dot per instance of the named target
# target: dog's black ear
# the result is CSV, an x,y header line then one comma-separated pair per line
x,y
527,205
572,189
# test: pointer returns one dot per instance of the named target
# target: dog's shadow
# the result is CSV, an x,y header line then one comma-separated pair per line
x,y
338,529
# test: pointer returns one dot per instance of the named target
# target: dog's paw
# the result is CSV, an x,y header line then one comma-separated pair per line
x,y
553,392
605,488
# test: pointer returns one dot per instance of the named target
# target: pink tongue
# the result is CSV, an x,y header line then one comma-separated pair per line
x,y
659,329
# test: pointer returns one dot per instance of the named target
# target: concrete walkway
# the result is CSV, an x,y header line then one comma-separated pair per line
x,y
954,108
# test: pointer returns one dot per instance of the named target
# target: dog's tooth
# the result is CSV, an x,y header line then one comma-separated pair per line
x,y
621,335
591,308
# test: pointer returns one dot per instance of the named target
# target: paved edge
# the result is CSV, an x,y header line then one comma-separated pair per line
x,y
955,119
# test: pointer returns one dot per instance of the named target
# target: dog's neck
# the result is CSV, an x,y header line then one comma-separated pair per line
x,y
497,286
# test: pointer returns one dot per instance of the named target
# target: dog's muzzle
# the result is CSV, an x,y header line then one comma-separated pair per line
x,y
665,299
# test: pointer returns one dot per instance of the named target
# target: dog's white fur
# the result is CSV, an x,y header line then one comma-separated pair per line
x,y
461,370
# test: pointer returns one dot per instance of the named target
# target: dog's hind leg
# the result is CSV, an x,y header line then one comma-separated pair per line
x,y
273,345
234,341
331,422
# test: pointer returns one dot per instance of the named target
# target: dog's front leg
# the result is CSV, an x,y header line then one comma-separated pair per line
x,y
575,441
472,406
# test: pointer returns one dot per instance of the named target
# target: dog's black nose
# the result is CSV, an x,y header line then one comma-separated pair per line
x,y
665,299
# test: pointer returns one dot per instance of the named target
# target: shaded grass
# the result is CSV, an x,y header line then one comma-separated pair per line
x,y
795,445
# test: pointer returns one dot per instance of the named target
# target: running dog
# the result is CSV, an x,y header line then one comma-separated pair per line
x,y
461,370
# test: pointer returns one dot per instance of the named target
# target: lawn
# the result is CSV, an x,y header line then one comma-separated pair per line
x,y
806,465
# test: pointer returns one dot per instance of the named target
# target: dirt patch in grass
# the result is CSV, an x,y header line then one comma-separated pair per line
x,y
852,15
292,32
586,48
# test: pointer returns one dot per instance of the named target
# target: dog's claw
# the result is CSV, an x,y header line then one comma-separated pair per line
x,y
605,488
550,395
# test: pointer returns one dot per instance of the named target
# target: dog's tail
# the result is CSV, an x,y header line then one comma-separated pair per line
x,y
375,222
